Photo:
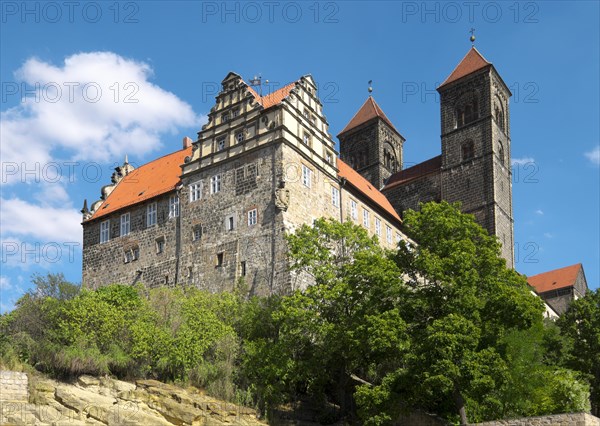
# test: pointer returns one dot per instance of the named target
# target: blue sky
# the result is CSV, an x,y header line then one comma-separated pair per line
x,y
135,77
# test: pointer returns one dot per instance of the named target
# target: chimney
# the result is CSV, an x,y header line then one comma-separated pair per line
x,y
187,142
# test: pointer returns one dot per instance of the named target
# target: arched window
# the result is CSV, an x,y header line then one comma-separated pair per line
x,y
499,115
501,152
467,150
467,110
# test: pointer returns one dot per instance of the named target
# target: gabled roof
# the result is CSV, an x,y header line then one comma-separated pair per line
x,y
365,187
275,98
473,61
403,176
150,180
553,280
368,111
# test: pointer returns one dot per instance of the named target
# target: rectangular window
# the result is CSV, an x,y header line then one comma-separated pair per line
x,y
252,217
353,210
151,214
221,143
195,191
378,226
239,137
125,224
173,206
160,245
306,138
243,268
335,196
366,219
398,238
224,118
235,113
230,223
329,157
388,234
197,233
220,259
306,176
215,184
105,231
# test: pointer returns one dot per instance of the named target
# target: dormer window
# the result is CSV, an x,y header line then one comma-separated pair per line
x,y
239,137
221,143
306,138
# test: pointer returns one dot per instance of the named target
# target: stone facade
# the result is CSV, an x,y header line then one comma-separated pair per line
x,y
571,419
261,167
561,298
13,386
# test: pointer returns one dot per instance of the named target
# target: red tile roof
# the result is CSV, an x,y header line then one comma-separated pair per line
x,y
367,112
552,280
365,187
150,180
272,99
473,61
426,167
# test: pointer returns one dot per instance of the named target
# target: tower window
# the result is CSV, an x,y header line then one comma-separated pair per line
x,y
499,117
467,150
501,152
467,112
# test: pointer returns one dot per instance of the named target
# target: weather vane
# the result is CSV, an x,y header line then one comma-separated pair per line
x,y
472,36
370,87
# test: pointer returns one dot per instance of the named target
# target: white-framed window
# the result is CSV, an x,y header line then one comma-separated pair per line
x,y
306,114
104,231
239,137
378,226
221,143
230,222
195,191
366,219
125,224
252,217
306,176
173,206
329,157
353,210
215,184
306,138
388,234
151,214
335,196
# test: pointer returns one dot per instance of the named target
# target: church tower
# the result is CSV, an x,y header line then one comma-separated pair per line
x,y
475,164
371,145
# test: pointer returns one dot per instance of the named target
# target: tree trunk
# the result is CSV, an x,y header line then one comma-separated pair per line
x,y
460,407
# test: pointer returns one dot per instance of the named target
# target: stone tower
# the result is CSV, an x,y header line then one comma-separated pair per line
x,y
475,163
371,144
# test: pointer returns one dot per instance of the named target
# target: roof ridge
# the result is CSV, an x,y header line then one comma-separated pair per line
x,y
374,109
456,74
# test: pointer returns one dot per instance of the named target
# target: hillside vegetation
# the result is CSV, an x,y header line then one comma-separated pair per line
x,y
442,327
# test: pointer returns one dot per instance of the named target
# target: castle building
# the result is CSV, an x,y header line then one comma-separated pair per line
x,y
559,287
219,208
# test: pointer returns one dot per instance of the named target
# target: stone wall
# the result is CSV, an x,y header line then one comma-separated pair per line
x,y
13,386
573,419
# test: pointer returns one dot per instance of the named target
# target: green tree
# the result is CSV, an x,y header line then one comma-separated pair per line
x,y
581,323
463,301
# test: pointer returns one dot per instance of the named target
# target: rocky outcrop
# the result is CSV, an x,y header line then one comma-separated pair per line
x,y
105,401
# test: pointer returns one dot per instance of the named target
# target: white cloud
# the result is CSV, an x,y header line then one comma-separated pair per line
x,y
548,235
522,161
5,283
594,155
42,223
540,212
94,107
